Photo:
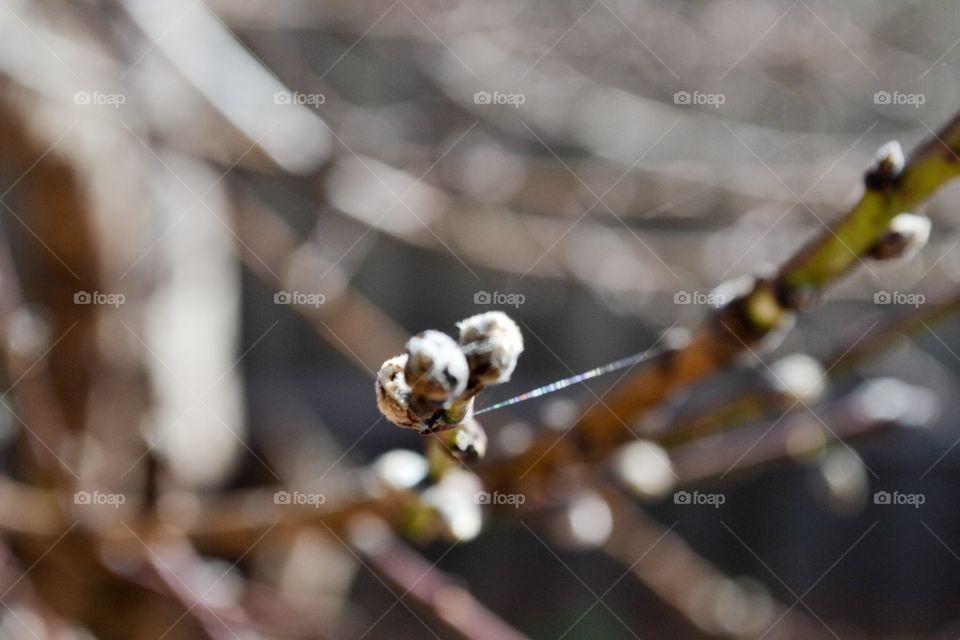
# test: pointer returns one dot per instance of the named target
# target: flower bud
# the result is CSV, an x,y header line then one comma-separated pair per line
x,y
400,470
906,235
492,343
645,468
895,401
436,370
455,501
393,394
888,164
798,376
466,443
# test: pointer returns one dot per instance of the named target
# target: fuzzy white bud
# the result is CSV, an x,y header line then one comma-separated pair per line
x,y
456,500
645,468
401,469
393,394
889,159
493,344
467,443
436,370
892,400
906,235
798,376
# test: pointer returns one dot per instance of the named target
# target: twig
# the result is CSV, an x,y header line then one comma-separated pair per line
x,y
790,439
744,322
662,561
891,330
437,593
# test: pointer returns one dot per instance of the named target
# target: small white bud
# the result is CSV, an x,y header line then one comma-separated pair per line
x,y
468,442
895,401
889,159
906,235
590,520
436,370
645,468
455,500
393,394
493,344
733,288
401,469
798,376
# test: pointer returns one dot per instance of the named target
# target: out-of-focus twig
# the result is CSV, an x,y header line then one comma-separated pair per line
x,y
794,438
891,330
667,565
347,320
742,324
434,591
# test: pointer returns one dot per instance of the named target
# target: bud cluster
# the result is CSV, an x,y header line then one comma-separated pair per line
x,y
431,387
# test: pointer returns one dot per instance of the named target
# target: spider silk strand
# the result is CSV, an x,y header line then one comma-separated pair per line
x,y
546,389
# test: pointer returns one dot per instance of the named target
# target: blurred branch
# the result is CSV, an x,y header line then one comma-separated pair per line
x,y
757,397
668,566
891,330
793,438
347,319
437,593
759,313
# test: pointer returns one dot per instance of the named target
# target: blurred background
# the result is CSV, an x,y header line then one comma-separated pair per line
x,y
220,217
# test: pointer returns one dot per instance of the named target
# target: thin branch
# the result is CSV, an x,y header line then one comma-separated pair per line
x,y
675,572
743,324
438,593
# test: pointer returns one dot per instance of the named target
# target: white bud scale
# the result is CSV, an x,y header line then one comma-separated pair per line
x,y
436,370
393,393
493,344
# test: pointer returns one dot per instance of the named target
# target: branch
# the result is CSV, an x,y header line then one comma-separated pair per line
x,y
764,310
436,592
890,330
667,565
800,437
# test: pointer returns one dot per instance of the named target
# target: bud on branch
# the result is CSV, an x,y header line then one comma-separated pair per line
x,y
432,386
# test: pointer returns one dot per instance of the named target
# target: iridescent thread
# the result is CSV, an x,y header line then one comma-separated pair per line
x,y
622,363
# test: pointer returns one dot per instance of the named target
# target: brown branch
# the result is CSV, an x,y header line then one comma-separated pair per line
x,y
347,319
746,321
759,446
438,593
667,565
891,330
